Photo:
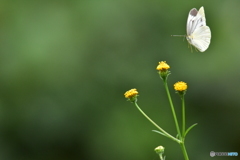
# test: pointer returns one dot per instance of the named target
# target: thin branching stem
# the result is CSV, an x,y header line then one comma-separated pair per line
x,y
162,130
183,117
173,110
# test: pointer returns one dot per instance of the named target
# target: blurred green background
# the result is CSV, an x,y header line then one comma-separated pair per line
x,y
65,65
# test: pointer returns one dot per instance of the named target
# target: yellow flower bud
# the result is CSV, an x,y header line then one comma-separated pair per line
x,y
180,86
163,66
163,70
131,95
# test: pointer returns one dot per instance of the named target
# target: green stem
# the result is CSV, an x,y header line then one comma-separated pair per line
x,y
161,157
173,111
183,117
167,134
184,151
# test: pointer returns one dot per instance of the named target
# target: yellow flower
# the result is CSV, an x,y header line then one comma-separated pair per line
x,y
180,86
131,93
163,70
163,66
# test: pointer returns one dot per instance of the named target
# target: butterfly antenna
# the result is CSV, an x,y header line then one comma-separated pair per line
x,y
178,35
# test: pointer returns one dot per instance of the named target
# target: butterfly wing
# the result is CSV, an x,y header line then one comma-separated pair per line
x,y
195,19
201,38
192,14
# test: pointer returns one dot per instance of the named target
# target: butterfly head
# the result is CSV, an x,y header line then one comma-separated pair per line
x,y
189,38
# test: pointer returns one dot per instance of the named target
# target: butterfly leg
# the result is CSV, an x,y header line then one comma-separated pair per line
x,y
190,46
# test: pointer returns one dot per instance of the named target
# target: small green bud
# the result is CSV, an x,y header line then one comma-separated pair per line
x,y
159,150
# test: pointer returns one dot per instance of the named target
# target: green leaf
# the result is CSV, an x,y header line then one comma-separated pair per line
x,y
159,133
189,129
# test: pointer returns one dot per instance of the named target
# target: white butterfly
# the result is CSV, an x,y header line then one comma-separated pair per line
x,y
198,34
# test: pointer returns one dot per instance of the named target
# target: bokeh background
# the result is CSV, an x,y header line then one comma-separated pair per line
x,y
65,65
